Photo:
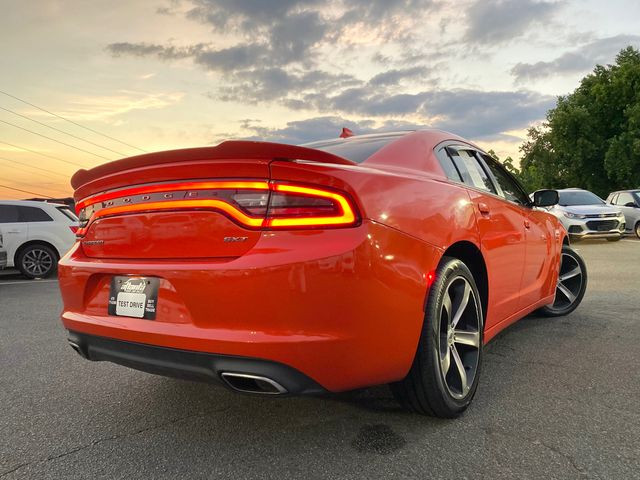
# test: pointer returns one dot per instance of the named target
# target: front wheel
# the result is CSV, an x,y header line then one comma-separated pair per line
x,y
444,376
572,283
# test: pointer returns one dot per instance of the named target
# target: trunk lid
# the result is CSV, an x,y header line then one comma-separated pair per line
x,y
175,205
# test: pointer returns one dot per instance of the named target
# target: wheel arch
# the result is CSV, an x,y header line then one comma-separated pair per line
x,y
29,243
472,257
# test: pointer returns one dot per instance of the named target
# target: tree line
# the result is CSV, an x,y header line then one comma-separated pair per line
x,y
591,138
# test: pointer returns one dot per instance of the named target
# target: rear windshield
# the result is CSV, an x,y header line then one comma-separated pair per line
x,y
579,197
354,149
68,213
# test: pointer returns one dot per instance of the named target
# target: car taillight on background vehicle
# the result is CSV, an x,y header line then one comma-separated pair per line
x,y
252,204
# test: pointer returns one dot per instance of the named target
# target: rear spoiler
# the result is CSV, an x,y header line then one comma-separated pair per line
x,y
226,150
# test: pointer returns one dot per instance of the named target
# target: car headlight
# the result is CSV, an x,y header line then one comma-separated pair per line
x,y
574,215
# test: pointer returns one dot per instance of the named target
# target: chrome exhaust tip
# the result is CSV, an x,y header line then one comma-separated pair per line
x,y
246,383
77,348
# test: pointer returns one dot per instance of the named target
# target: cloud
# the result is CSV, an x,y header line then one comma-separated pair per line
x,y
580,60
395,76
498,21
246,15
233,58
469,113
479,114
279,45
103,107
321,128
144,49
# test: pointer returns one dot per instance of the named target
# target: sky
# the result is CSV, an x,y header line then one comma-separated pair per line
x,y
123,77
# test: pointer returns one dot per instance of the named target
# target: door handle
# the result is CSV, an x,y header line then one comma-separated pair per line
x,y
484,208
527,224
12,231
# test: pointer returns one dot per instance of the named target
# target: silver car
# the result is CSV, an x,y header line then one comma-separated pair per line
x,y
585,215
629,202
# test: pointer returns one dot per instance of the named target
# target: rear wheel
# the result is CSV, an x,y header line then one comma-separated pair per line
x,y
572,283
37,261
444,376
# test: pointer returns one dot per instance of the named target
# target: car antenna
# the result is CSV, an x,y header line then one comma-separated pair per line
x,y
346,133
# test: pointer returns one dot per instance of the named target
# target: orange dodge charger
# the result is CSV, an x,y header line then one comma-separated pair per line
x,y
277,269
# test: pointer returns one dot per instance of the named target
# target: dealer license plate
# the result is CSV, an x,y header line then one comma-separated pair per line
x,y
134,297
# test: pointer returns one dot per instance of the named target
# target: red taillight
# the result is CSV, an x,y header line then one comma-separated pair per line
x,y
252,204
297,206
73,228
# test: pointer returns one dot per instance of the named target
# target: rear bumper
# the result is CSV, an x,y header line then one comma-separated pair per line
x,y
343,307
205,367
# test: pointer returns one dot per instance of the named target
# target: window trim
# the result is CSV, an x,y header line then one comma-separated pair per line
x,y
457,143
501,167
453,149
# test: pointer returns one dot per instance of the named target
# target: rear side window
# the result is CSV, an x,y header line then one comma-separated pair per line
x,y
470,170
33,214
8,214
447,165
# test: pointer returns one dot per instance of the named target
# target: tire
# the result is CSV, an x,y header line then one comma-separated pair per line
x,y
637,229
37,261
432,388
572,284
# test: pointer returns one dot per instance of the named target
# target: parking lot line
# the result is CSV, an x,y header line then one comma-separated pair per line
x,y
27,282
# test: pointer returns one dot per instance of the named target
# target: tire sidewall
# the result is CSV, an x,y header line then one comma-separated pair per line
x,y
447,272
585,278
29,248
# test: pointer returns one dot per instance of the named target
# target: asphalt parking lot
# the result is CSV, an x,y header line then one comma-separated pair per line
x,y
558,398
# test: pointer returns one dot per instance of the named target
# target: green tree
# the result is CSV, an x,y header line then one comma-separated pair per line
x,y
507,163
591,139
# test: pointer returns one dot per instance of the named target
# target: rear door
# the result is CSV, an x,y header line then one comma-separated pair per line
x,y
501,229
14,231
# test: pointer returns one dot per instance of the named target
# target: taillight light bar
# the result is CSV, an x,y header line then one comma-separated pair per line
x,y
251,204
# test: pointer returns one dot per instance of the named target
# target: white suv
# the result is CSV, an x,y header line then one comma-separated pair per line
x,y
3,253
36,235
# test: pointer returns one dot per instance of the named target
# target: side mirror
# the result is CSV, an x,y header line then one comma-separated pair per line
x,y
631,204
545,198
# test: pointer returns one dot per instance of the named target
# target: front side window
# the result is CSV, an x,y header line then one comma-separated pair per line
x,y
624,198
510,188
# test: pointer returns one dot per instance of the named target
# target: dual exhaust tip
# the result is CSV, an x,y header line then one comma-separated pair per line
x,y
240,382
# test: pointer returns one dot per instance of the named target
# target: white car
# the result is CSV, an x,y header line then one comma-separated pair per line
x,y
3,253
36,235
585,215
